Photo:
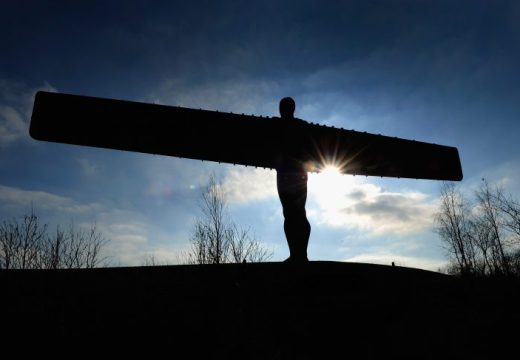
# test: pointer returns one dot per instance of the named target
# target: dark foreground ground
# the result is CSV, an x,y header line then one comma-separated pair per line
x,y
263,311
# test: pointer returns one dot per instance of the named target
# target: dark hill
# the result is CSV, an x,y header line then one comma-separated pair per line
x,y
265,311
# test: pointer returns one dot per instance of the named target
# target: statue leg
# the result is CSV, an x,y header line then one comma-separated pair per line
x,y
297,231
292,190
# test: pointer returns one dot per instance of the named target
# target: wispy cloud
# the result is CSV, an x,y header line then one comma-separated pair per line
x,y
88,168
504,174
133,240
20,200
166,255
127,230
167,176
12,126
128,234
16,101
244,185
253,96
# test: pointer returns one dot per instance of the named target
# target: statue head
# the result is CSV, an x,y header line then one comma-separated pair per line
x,y
287,107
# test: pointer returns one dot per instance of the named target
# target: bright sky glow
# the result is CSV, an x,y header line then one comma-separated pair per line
x,y
326,186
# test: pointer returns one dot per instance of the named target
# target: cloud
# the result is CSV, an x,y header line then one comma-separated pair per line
x,y
128,235
244,185
12,126
16,199
16,101
133,240
167,177
353,203
249,96
126,230
166,255
88,168
400,212
503,174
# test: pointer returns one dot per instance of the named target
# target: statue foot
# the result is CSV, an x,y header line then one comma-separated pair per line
x,y
294,259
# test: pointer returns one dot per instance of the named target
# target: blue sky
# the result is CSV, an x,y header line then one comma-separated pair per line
x,y
437,71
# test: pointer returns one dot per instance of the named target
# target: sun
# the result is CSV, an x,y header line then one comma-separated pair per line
x,y
330,172
326,184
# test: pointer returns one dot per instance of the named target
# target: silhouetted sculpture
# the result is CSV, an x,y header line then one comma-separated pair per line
x,y
291,146
291,180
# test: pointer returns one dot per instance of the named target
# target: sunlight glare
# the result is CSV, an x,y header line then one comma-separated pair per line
x,y
330,172
327,185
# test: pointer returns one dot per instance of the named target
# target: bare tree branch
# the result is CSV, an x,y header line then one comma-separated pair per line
x,y
482,239
453,226
21,243
490,217
25,245
216,238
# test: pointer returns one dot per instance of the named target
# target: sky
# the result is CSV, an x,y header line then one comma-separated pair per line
x,y
444,72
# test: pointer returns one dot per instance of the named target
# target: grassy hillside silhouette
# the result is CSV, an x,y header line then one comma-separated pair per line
x,y
265,310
